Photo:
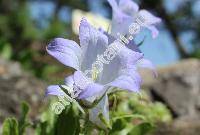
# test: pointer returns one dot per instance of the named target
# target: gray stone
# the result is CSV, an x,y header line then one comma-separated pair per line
x,y
17,86
183,126
178,86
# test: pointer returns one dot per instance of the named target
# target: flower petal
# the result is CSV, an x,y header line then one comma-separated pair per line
x,y
154,31
149,19
66,51
120,24
123,16
131,45
113,4
54,90
120,20
124,58
93,42
110,69
91,90
81,80
111,39
102,107
129,78
69,81
130,81
129,7
144,63
129,58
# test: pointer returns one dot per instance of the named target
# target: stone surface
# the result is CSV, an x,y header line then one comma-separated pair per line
x,y
184,126
16,86
178,86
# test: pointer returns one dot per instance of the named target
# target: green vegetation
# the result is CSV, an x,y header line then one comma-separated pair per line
x,y
137,116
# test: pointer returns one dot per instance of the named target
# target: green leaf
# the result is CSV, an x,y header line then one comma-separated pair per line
x,y
10,127
23,122
88,127
133,116
104,121
68,122
67,95
121,125
141,129
118,126
42,128
46,123
6,51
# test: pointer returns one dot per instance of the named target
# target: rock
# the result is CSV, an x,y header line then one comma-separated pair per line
x,y
178,86
186,126
17,86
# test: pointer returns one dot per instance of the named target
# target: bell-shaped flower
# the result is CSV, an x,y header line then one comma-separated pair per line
x,y
110,65
126,16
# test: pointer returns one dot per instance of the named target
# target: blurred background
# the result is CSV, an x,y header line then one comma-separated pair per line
x,y
27,26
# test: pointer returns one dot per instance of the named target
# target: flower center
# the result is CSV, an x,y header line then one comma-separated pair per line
x,y
95,73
